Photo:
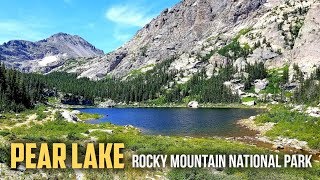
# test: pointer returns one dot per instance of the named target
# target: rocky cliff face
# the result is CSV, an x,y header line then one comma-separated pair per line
x,y
49,52
200,34
306,52
176,31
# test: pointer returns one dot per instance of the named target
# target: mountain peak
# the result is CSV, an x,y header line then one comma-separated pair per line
x,y
61,34
71,46
63,37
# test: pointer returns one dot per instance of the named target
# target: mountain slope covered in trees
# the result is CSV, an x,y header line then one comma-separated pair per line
x,y
19,91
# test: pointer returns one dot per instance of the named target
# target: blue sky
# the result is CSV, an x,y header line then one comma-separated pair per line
x,y
104,23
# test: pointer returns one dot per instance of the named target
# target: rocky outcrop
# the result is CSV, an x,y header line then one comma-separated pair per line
x,y
281,143
235,86
71,99
306,51
260,85
107,104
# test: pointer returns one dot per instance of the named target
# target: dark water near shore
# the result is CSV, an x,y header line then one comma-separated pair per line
x,y
178,121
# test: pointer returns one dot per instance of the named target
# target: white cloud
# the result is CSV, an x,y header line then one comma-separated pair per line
x,y
10,30
128,15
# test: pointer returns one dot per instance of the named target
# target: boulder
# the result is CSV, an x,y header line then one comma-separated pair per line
x,y
293,143
129,126
278,146
241,93
193,104
249,103
44,175
298,108
21,168
234,85
260,85
75,112
69,116
274,102
250,95
240,63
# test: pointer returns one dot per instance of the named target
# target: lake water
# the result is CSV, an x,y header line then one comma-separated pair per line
x,y
178,121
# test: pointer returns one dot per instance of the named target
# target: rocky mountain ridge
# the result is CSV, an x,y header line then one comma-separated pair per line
x,y
48,53
199,34
203,33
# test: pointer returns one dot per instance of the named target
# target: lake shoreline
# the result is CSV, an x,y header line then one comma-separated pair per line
x,y
203,106
280,144
183,121
254,134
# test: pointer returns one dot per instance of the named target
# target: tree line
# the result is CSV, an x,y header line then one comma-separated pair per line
x,y
158,83
19,91
309,90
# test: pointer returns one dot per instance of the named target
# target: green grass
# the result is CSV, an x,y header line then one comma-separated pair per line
x,y
145,144
62,131
10,118
235,46
292,124
41,113
246,174
247,99
275,77
136,72
53,100
86,116
56,129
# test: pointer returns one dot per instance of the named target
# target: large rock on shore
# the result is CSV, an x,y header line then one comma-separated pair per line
x,y
249,103
70,116
107,104
193,104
